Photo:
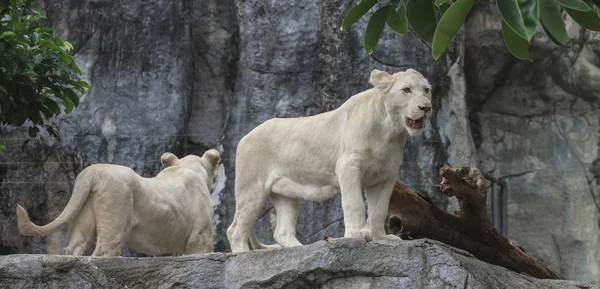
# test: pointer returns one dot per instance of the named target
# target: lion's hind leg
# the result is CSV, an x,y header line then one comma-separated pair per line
x,y
82,231
113,221
247,206
287,210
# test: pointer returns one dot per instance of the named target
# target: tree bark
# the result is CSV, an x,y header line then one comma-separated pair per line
x,y
414,215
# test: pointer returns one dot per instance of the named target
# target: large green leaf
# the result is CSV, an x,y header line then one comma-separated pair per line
x,y
578,5
449,24
52,105
552,37
518,46
421,16
356,12
397,21
7,34
375,27
72,95
520,15
552,22
589,19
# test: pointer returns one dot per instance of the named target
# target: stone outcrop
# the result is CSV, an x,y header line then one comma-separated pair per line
x,y
342,263
184,76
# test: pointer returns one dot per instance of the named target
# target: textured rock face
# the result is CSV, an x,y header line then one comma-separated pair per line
x,y
344,264
536,127
184,76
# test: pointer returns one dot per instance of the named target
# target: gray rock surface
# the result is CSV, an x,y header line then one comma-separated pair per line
x,y
536,127
342,263
184,76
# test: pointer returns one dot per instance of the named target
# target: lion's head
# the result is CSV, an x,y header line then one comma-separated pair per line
x,y
209,163
407,97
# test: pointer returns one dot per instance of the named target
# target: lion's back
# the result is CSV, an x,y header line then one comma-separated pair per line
x,y
109,177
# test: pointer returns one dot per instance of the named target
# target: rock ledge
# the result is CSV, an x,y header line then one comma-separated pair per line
x,y
341,263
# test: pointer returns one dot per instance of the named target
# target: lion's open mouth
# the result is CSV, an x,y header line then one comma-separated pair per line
x,y
414,123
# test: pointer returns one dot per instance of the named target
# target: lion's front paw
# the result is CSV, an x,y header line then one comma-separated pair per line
x,y
389,237
364,234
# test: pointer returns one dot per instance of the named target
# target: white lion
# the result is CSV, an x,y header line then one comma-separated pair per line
x,y
170,213
359,145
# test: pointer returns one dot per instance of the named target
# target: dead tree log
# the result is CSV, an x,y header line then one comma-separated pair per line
x,y
415,215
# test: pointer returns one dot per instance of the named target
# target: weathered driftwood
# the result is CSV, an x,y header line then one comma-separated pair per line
x,y
414,215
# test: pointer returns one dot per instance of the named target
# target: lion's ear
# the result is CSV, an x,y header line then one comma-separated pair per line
x,y
381,79
168,159
213,156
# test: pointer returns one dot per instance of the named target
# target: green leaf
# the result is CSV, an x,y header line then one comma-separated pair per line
x,y
83,84
52,105
397,21
438,3
520,15
530,10
375,27
7,34
36,10
3,90
38,58
356,12
68,105
35,38
517,46
444,7
552,22
52,131
589,19
552,37
421,17
47,112
2,147
449,24
73,96
396,3
68,45
578,5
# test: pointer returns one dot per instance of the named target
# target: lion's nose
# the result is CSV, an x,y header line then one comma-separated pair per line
x,y
425,108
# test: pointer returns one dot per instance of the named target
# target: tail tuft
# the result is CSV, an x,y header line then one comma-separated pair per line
x,y
256,245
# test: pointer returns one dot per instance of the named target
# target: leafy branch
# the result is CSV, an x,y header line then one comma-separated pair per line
x,y
519,20
37,74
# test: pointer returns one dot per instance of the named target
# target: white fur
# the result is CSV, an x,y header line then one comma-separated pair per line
x,y
359,145
170,213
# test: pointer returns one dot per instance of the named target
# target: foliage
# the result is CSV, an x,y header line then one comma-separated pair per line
x,y
37,74
438,21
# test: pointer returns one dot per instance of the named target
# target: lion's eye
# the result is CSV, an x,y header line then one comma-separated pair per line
x,y
426,90
406,90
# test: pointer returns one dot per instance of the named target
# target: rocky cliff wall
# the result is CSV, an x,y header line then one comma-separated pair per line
x,y
184,76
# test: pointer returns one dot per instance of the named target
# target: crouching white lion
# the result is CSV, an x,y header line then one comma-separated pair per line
x,y
170,213
359,145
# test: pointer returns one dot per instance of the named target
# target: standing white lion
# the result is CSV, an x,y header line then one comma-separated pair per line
x,y
359,145
170,213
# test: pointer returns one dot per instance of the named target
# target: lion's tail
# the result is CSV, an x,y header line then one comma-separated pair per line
x,y
258,245
83,186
